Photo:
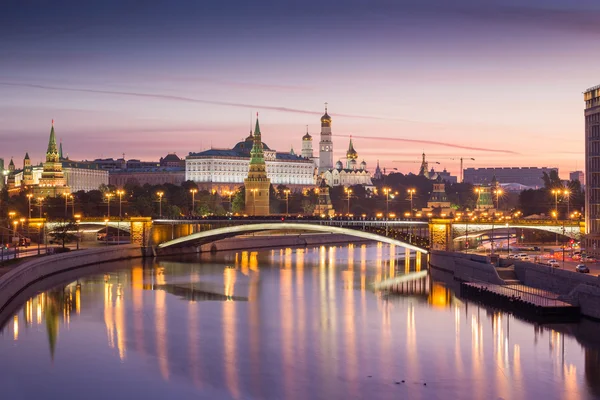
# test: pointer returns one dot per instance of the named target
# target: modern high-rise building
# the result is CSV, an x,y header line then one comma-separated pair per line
x,y
326,144
577,176
592,169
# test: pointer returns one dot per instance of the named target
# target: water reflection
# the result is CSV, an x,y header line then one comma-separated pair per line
x,y
294,324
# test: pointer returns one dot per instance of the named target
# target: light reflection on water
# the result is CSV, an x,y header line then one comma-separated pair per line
x,y
285,323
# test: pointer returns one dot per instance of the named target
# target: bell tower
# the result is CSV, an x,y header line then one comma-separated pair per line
x,y
326,144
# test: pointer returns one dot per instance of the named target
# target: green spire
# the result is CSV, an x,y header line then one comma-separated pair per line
x,y
27,155
52,152
60,152
257,155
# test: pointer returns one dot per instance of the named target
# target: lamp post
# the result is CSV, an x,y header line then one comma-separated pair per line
x,y
72,205
507,240
120,193
555,215
411,193
556,192
77,220
567,194
41,201
349,192
16,234
193,192
287,192
108,197
39,225
29,196
498,193
160,196
66,203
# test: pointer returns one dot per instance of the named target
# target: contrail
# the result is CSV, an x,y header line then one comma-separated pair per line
x,y
419,141
193,100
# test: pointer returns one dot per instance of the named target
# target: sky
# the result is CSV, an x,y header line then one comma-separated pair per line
x,y
499,81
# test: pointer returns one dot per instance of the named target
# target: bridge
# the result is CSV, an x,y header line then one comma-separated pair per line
x,y
399,233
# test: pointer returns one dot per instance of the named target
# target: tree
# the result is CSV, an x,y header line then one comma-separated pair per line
x,y
238,202
64,232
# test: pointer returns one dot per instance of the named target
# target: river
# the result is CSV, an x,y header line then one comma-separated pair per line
x,y
283,324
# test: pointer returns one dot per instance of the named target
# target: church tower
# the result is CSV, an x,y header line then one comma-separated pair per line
x,y
351,156
326,144
307,149
53,182
257,184
10,179
27,171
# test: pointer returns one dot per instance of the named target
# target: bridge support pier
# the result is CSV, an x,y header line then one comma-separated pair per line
x,y
440,234
141,228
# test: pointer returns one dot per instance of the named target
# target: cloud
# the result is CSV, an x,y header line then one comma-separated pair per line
x,y
193,100
432,142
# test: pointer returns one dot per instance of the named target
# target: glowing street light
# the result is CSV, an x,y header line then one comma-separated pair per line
x,y
556,192
160,195
193,192
41,204
349,192
567,194
287,193
411,193
120,193
498,192
29,196
108,197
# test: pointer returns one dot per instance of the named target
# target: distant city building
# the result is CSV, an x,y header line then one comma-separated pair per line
x,y
433,174
226,169
349,176
172,161
150,176
377,175
528,176
438,202
257,184
577,176
592,170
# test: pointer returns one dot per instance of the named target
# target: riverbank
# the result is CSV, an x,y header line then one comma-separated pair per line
x,y
32,270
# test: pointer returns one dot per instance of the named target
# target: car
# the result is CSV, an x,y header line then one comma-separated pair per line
x,y
582,269
552,262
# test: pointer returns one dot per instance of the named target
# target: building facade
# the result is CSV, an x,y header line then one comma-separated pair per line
x,y
592,170
257,184
150,176
226,169
528,176
353,174
577,176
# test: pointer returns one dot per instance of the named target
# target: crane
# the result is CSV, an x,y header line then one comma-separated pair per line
x,y
462,178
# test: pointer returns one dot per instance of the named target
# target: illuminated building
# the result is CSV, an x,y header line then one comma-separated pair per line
x,y
592,170
257,184
438,202
226,169
349,176
53,182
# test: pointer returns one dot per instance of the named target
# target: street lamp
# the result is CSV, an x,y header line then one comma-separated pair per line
x,y
507,240
555,215
41,201
411,193
349,192
498,193
193,192
29,196
556,192
39,225
160,196
77,220
567,194
287,192
108,196
120,193
66,203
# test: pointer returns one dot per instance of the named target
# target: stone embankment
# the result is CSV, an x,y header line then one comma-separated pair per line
x,y
29,271
581,290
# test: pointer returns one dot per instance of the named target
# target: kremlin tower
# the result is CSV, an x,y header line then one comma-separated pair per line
x,y
257,184
52,183
326,144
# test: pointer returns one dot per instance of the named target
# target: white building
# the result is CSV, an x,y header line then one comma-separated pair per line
x,y
326,144
351,175
79,176
226,169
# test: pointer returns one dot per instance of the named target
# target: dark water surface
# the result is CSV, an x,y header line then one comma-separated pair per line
x,y
284,324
